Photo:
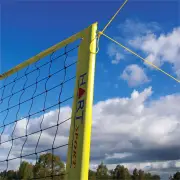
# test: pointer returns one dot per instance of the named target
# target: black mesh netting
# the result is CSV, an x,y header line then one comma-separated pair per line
x,y
35,114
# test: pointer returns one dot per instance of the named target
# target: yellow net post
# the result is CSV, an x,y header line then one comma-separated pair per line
x,y
78,154
80,130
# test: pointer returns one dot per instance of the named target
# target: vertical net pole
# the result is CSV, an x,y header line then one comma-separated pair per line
x,y
78,157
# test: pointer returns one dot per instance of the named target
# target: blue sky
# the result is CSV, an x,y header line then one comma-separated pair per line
x,y
29,27
148,27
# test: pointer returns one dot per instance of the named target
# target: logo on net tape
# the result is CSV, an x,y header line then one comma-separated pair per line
x,y
79,114
81,97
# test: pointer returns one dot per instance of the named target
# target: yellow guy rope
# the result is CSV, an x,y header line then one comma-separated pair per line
x,y
98,34
114,16
146,61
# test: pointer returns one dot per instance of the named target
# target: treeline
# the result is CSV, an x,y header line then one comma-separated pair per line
x,y
49,166
120,173
46,167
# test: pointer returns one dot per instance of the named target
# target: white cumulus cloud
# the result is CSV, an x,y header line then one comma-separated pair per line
x,y
134,75
134,131
115,54
161,49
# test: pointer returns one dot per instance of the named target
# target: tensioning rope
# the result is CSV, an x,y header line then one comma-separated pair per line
x,y
126,48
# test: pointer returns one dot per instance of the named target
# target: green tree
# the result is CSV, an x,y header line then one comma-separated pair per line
x,y
92,175
156,177
3,178
49,165
8,175
102,172
121,173
135,174
148,176
25,171
111,174
176,176
141,175
3,175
